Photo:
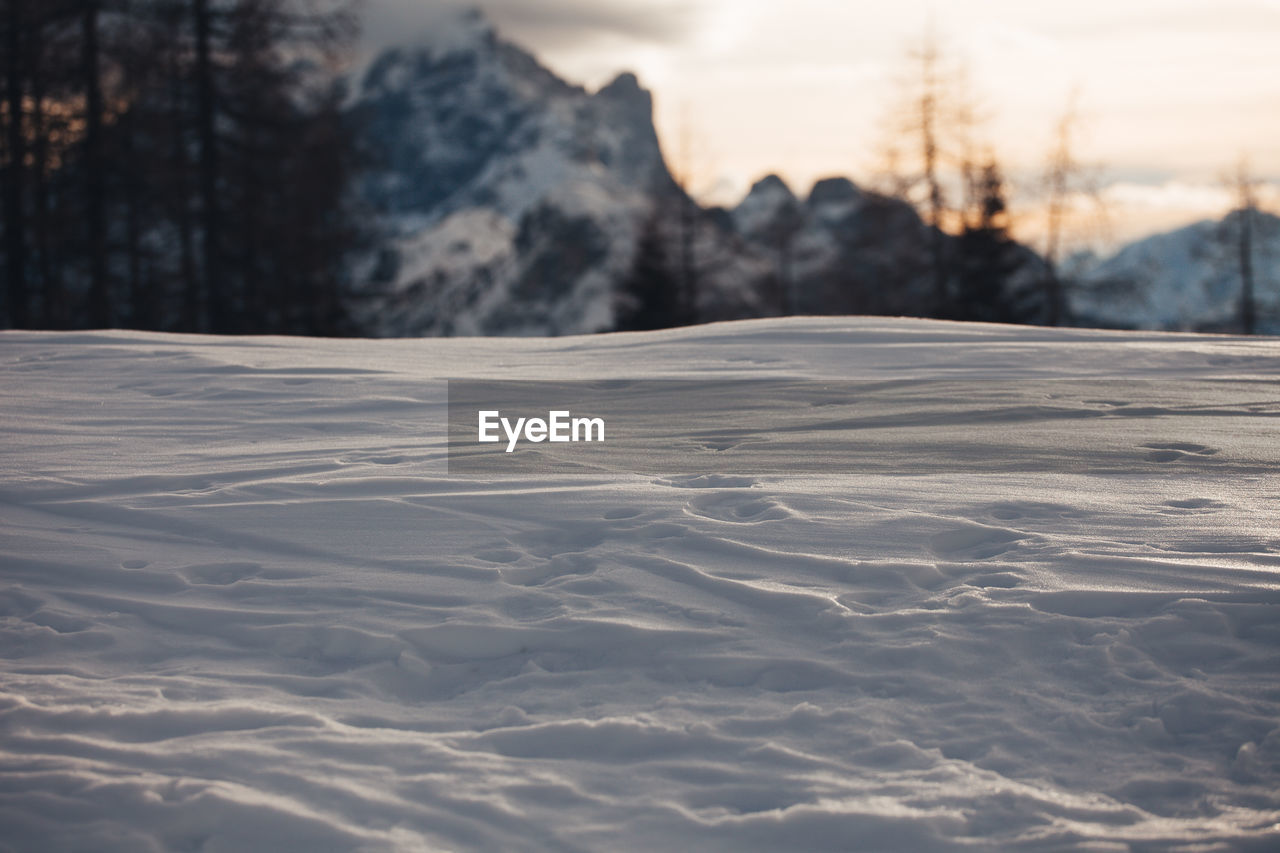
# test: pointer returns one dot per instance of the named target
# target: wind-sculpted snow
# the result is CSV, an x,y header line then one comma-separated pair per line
x,y
244,607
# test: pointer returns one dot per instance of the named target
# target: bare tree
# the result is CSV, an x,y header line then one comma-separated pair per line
x,y
1065,179
1244,185
1059,169
931,159
926,121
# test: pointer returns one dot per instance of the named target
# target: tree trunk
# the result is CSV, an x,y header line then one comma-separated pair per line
x,y
139,296
1247,311
95,192
1052,295
178,201
937,241
216,309
131,172
49,273
14,231
688,306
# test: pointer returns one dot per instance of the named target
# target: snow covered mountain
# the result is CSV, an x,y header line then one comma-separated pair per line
x,y
1187,279
512,201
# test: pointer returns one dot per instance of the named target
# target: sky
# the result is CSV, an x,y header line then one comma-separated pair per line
x,y
1170,94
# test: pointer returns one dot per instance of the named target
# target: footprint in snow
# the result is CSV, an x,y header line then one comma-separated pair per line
x,y
220,574
1194,504
1173,451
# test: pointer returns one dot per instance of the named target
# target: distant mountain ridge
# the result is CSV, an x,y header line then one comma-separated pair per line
x,y
1187,279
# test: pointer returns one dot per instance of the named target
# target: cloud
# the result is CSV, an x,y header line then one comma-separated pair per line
x,y
1161,17
563,23
1176,195
549,24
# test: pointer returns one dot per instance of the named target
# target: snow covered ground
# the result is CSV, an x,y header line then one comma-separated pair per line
x,y
244,607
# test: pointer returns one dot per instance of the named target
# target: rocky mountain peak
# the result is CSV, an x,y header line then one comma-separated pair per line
x,y
832,191
768,200
626,88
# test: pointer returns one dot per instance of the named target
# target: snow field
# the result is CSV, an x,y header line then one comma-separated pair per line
x,y
242,606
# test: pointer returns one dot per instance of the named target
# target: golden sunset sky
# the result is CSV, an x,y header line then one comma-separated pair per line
x,y
1171,93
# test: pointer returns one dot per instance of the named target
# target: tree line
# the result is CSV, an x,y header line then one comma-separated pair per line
x,y
178,165
967,263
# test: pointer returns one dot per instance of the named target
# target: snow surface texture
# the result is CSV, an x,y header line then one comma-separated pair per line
x,y
242,608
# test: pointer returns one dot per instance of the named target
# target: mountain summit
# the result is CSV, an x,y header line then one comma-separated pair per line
x,y
511,200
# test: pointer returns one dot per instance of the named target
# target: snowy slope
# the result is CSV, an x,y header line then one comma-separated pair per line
x,y
243,607
1186,279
